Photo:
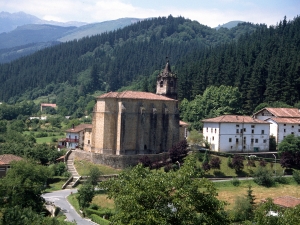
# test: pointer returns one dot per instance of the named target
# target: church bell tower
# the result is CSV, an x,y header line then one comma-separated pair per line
x,y
166,83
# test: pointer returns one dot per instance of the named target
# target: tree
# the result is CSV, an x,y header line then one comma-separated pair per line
x,y
23,185
178,151
215,163
238,163
94,175
143,197
263,177
195,138
85,195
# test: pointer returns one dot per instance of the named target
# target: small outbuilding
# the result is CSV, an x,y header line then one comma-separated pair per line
x,y
5,161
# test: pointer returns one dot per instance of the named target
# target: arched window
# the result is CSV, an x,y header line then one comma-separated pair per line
x,y
161,84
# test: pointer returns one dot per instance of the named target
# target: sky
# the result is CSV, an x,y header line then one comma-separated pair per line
x,y
208,12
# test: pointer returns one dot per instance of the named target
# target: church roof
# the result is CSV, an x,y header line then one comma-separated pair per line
x,y
135,95
234,119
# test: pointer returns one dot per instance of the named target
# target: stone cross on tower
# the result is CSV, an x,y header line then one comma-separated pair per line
x,y
166,82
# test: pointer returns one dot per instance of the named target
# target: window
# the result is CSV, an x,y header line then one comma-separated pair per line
x,y
252,131
211,130
298,130
292,126
284,130
237,131
244,140
237,140
215,130
206,138
161,84
88,141
256,140
244,129
213,138
292,133
241,131
252,126
171,83
265,140
252,140
206,129
237,125
230,140
262,131
284,124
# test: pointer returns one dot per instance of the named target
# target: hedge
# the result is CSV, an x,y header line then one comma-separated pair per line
x,y
99,220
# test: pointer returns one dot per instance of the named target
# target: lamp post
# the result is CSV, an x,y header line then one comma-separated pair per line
x,y
275,163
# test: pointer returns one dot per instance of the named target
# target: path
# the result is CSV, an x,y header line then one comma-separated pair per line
x,y
59,198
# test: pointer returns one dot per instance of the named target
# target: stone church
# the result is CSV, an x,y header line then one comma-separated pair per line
x,y
132,123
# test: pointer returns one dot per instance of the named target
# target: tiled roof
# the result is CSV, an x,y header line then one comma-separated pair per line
x,y
285,120
6,159
181,123
234,119
283,112
287,201
135,95
79,128
48,104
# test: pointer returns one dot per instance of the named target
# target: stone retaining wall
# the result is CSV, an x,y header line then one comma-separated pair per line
x,y
117,161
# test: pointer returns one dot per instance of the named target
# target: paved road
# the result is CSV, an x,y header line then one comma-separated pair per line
x,y
59,198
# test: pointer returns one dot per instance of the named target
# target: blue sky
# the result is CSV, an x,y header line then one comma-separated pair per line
x,y
207,12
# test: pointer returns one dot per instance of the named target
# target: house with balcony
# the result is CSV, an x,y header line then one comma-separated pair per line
x,y
75,136
235,133
283,121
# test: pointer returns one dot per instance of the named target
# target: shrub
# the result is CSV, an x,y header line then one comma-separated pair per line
x,y
145,161
99,220
215,163
296,176
229,162
263,177
263,163
235,182
238,162
281,180
167,168
251,163
205,166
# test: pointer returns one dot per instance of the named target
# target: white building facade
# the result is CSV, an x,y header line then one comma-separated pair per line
x,y
283,121
233,133
75,137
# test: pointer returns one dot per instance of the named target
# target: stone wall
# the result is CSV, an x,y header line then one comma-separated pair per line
x,y
117,161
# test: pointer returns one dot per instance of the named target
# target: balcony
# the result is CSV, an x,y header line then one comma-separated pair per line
x,y
72,140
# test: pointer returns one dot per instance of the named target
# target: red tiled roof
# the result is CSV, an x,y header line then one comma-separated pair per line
x,y
181,123
234,119
48,104
79,128
6,159
287,201
285,120
135,95
283,112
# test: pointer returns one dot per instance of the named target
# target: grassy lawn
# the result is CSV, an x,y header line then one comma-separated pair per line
x,y
56,184
227,192
83,167
102,201
48,139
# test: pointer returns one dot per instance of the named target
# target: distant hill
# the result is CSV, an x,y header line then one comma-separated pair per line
x,y
97,28
230,24
32,33
10,21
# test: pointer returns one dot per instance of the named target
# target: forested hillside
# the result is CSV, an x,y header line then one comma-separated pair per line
x,y
265,66
111,60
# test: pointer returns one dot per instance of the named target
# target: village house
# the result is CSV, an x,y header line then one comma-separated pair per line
x,y
283,121
5,161
77,137
234,133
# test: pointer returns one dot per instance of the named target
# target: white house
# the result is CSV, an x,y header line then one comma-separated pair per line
x,y
283,121
75,137
234,133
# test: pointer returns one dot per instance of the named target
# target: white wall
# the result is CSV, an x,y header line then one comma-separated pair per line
x,y
237,137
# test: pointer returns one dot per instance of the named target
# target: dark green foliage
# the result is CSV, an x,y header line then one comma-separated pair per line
x,y
99,220
94,175
85,195
145,161
229,162
262,163
235,182
296,176
263,177
107,213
